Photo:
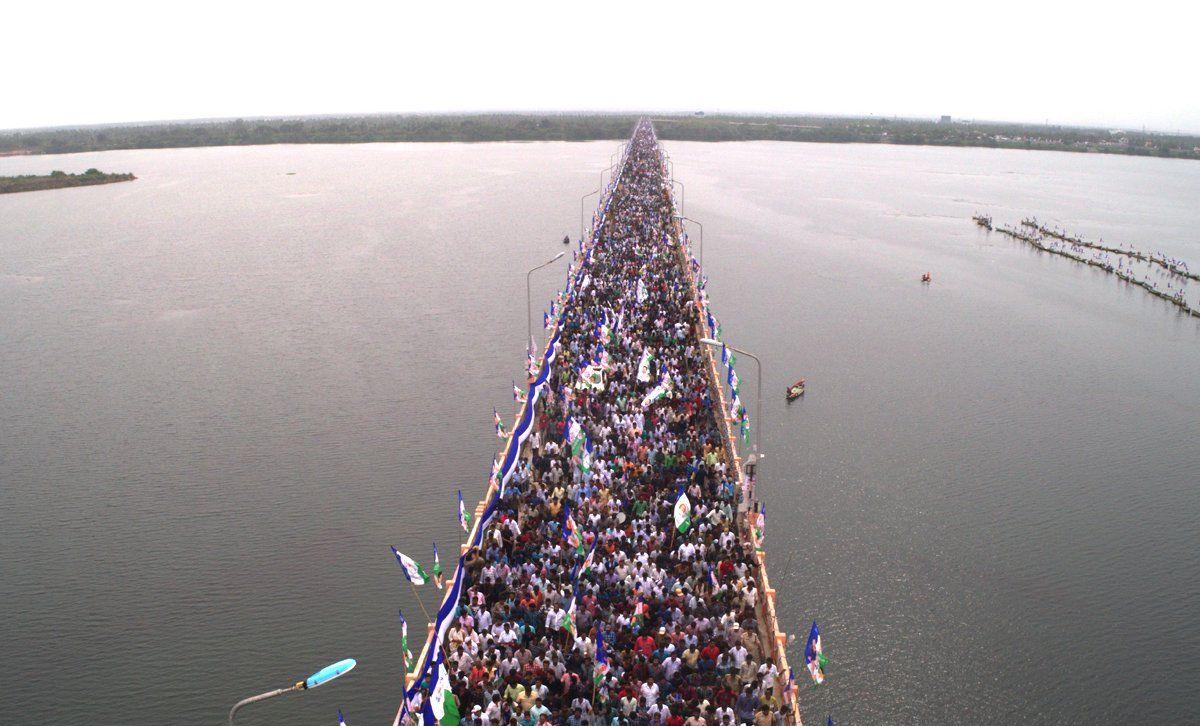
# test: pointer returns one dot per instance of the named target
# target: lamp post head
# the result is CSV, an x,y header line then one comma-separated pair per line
x,y
328,673
710,341
560,254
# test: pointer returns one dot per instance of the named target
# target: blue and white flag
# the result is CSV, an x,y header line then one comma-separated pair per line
x,y
571,530
412,570
437,568
601,659
814,658
499,424
659,392
405,652
586,563
464,517
341,718
643,373
518,394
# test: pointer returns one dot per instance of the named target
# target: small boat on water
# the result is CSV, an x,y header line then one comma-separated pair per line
x,y
796,390
927,277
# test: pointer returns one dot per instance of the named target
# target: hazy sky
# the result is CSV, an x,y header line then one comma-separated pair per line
x,y
1088,63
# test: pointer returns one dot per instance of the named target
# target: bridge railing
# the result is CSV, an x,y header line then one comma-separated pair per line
x,y
423,663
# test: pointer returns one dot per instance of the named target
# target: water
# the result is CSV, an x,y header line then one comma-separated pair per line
x,y
228,389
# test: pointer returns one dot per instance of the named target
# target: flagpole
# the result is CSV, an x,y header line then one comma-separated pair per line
x,y
421,604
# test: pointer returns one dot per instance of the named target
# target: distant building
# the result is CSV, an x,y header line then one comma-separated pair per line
x,y
699,113
944,120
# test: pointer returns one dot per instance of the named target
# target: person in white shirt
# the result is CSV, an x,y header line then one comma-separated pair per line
x,y
739,654
649,692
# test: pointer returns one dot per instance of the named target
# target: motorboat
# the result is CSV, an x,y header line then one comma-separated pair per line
x,y
796,390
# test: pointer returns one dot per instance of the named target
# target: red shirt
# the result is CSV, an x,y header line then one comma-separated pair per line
x,y
646,645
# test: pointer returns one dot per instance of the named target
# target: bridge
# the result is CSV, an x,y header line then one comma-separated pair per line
x,y
615,563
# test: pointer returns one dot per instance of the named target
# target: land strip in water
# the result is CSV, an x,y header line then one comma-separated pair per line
x,y
592,127
58,180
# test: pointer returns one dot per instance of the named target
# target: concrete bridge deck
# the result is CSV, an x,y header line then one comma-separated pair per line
x,y
617,564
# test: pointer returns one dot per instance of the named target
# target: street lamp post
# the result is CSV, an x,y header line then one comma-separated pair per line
x,y
701,226
529,293
325,675
758,404
682,192
585,196
610,166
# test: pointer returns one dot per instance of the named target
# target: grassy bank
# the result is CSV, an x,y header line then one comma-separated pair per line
x,y
58,180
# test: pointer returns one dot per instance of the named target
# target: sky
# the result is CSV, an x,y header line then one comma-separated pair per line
x,y
105,61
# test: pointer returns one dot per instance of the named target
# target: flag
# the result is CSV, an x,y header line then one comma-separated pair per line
x,y
499,423
745,428
569,621
413,571
518,394
532,364
601,659
464,517
592,377
437,568
683,513
829,721
724,355
642,293
571,431
712,577
586,564
585,461
644,366
735,407
760,528
571,530
639,613
438,703
405,652
341,718
545,319
577,442
813,657
657,393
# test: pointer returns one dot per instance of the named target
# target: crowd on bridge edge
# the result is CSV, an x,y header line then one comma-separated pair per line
x,y
586,601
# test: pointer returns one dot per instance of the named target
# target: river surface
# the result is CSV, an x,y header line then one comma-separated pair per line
x,y
228,386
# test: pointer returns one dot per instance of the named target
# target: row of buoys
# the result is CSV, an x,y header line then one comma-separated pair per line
x,y
1038,241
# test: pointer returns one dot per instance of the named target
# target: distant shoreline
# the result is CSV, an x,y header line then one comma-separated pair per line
x,y
595,127
58,180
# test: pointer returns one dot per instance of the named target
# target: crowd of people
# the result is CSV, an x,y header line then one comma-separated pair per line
x,y
586,603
